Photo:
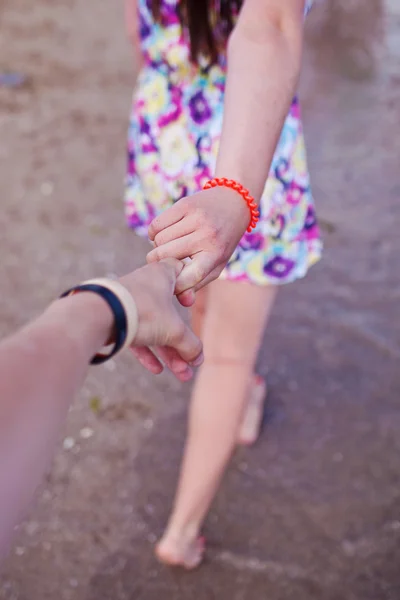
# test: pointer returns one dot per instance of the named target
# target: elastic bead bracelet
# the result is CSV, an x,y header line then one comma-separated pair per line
x,y
234,185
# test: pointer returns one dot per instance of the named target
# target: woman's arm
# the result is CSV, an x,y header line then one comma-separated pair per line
x,y
264,55
132,29
43,365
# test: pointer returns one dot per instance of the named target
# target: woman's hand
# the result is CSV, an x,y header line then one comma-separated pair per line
x,y
206,228
160,324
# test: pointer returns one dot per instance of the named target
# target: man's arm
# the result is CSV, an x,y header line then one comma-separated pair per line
x,y
43,365
41,368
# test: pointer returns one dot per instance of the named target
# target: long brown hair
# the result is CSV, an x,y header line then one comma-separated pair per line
x,y
196,15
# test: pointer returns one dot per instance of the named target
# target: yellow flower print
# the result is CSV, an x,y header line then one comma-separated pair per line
x,y
153,187
154,95
299,155
177,150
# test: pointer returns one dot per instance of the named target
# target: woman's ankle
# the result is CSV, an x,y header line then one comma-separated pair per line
x,y
182,531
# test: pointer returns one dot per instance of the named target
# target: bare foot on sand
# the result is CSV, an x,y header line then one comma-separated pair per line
x,y
178,551
253,416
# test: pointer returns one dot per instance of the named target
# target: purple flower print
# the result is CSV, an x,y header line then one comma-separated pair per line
x,y
174,110
200,178
200,110
139,219
168,13
278,225
311,228
134,221
294,194
203,148
282,172
169,117
144,28
146,137
311,220
279,267
131,163
252,241
295,109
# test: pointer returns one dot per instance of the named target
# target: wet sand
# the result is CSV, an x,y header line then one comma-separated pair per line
x,y
312,512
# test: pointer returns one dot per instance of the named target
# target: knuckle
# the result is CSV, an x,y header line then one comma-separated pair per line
x,y
152,232
200,272
159,239
150,258
157,225
170,268
157,254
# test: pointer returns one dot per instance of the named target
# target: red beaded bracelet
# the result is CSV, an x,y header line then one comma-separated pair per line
x,y
230,183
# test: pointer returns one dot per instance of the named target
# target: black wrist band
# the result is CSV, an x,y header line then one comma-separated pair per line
x,y
120,320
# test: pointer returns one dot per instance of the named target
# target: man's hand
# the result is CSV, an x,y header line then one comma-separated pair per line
x,y
160,324
206,227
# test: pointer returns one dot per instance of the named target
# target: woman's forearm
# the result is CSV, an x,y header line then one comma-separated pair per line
x,y
41,368
264,56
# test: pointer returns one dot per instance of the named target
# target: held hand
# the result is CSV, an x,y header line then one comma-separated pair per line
x,y
205,227
160,324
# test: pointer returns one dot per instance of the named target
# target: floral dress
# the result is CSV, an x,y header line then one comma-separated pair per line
x,y
173,139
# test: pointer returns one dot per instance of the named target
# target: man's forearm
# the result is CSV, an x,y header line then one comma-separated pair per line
x,y
41,368
263,70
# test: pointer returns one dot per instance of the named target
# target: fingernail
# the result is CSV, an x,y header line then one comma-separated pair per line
x,y
186,374
199,361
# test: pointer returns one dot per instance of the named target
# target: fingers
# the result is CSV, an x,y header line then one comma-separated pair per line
x,y
172,267
181,248
187,299
169,217
148,359
210,278
175,363
194,273
188,346
177,230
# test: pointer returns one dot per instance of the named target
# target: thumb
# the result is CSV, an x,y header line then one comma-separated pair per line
x,y
173,268
195,272
187,299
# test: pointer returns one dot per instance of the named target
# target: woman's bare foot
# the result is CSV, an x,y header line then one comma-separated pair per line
x,y
253,416
178,551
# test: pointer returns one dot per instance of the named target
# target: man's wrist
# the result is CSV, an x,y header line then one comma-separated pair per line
x,y
85,321
143,301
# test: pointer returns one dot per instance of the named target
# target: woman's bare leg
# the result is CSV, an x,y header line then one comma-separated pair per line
x,y
233,327
249,428
198,312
